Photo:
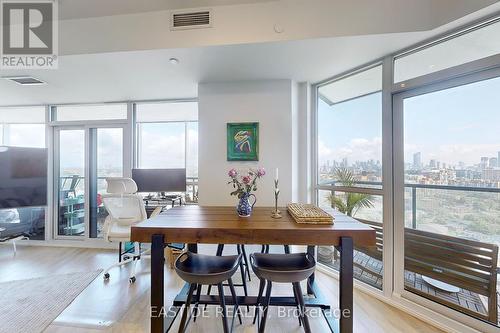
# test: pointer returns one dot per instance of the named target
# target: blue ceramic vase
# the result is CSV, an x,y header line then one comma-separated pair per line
x,y
244,207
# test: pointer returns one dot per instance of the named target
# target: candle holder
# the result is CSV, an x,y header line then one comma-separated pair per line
x,y
276,214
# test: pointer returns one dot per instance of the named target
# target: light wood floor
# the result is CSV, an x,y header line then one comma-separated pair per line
x,y
116,306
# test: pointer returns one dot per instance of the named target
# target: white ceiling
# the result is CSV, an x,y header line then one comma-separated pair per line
x,y
144,75
77,9
149,75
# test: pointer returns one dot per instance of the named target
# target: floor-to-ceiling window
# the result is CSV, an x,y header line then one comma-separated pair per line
x,y
167,137
349,161
89,146
23,127
452,196
106,161
435,117
89,143
447,208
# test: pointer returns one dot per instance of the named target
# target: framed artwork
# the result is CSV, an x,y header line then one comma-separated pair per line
x,y
243,141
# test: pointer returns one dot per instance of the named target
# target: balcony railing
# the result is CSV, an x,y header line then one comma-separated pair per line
x,y
191,186
375,188
467,300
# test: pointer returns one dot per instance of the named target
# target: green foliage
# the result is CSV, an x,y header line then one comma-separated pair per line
x,y
349,203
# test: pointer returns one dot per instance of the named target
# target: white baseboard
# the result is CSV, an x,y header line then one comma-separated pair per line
x,y
93,244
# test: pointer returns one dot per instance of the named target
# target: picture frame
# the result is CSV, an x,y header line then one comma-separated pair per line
x,y
243,141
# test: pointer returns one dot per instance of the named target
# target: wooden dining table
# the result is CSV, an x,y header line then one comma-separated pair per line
x,y
221,225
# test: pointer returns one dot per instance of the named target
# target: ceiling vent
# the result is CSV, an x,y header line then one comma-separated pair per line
x,y
195,19
25,80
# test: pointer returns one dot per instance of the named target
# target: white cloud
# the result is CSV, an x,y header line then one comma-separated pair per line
x,y
109,149
470,154
161,150
357,149
26,135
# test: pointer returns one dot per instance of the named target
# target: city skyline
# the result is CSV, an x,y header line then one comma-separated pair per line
x,y
461,124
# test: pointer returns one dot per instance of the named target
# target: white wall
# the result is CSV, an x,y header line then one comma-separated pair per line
x,y
267,102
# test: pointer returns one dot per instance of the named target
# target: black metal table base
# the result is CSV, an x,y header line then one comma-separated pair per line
x,y
311,302
163,318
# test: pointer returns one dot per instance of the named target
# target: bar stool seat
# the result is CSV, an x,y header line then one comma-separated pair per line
x,y
282,268
197,270
206,269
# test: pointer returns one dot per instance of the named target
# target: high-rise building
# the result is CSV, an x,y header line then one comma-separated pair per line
x,y
417,160
432,164
491,175
493,163
484,163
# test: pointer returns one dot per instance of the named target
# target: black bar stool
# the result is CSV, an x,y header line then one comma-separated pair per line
x,y
198,270
282,268
244,266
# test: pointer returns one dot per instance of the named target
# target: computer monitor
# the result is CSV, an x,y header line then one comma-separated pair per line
x,y
160,180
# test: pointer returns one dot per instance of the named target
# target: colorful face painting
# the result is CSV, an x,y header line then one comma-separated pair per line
x,y
243,141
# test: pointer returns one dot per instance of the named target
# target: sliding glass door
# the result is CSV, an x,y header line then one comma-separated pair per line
x,y
447,191
85,156
71,181
106,160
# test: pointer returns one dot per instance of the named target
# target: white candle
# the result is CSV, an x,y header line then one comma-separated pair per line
x,y
276,174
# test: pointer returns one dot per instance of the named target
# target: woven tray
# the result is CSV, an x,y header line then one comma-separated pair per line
x,y
307,213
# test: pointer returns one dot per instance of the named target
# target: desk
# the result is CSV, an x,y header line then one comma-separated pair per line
x,y
163,201
213,225
151,203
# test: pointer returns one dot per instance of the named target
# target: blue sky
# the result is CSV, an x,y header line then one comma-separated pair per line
x,y
351,130
458,124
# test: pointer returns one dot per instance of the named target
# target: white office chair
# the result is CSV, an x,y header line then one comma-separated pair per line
x,y
125,208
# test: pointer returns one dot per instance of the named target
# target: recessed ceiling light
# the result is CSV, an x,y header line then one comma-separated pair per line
x,y
403,85
173,61
25,80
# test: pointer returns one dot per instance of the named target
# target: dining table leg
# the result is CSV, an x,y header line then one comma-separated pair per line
x,y
193,248
157,283
310,281
346,284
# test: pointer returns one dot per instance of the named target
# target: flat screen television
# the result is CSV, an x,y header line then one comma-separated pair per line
x,y
23,177
160,180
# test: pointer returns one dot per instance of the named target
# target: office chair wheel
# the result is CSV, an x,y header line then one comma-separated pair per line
x,y
106,276
132,279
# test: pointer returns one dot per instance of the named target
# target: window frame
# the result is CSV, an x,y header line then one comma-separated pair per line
x,y
450,72
384,191
136,129
474,71
399,223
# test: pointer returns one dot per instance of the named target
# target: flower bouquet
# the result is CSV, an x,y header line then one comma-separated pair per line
x,y
244,184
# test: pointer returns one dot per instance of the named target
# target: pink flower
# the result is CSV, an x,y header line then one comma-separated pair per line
x,y
246,179
232,173
261,172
